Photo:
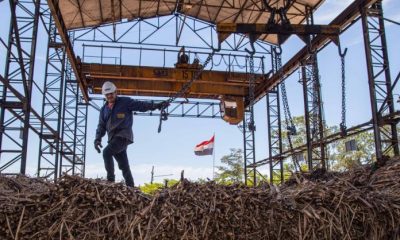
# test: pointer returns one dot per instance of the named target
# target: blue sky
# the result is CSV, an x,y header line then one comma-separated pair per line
x,y
172,150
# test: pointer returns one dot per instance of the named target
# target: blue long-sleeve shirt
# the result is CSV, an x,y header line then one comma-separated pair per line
x,y
118,120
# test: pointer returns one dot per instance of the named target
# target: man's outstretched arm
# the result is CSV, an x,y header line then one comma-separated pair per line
x,y
143,106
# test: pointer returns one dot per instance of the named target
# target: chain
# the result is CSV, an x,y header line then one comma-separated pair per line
x,y
251,81
195,77
315,91
251,93
184,89
343,123
288,117
286,109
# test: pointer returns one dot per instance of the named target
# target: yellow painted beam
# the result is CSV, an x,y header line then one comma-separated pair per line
x,y
159,81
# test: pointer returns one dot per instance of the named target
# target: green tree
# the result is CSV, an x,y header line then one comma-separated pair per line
x,y
152,188
338,158
288,169
233,171
364,154
299,139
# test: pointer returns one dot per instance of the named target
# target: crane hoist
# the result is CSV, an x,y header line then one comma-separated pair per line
x,y
231,107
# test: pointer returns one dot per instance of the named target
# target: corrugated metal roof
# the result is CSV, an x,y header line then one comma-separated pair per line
x,y
90,13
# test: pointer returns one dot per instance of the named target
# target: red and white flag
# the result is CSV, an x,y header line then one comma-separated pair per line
x,y
205,148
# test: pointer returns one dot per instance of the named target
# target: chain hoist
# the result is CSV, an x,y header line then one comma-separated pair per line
x,y
184,89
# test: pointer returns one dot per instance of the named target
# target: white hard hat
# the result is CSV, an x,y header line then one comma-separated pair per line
x,y
108,87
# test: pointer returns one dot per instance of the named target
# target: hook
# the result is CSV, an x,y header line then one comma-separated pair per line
x,y
341,54
252,40
310,50
253,50
267,6
218,48
163,117
277,50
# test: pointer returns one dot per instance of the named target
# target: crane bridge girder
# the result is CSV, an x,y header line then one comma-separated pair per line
x,y
165,82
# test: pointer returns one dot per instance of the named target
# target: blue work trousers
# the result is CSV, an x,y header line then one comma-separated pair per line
x,y
117,148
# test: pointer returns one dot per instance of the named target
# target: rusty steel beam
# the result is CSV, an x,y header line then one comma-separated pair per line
x,y
363,127
63,32
33,114
225,29
367,126
159,81
343,20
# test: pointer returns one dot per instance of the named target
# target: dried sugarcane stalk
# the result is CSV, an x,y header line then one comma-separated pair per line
x,y
359,204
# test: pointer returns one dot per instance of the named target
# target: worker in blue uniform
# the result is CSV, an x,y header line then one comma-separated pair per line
x,y
116,118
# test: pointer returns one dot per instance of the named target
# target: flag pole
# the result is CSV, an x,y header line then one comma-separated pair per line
x,y
213,175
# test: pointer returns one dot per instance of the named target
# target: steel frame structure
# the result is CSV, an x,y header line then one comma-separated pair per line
x,y
52,104
385,118
221,61
189,109
379,79
121,33
62,124
313,107
313,114
274,125
17,115
16,88
73,127
251,173
249,151
79,163
345,19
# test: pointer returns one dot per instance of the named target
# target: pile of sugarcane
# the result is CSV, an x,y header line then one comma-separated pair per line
x,y
360,204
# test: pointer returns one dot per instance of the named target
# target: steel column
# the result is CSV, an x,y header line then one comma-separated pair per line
x,y
313,106
274,126
69,121
305,81
379,80
250,173
80,138
51,105
313,114
19,70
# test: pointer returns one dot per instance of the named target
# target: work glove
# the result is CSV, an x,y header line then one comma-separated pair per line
x,y
161,105
97,145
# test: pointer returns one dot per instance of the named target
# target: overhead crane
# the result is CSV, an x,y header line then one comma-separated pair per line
x,y
256,19
146,81
230,88
66,18
149,81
